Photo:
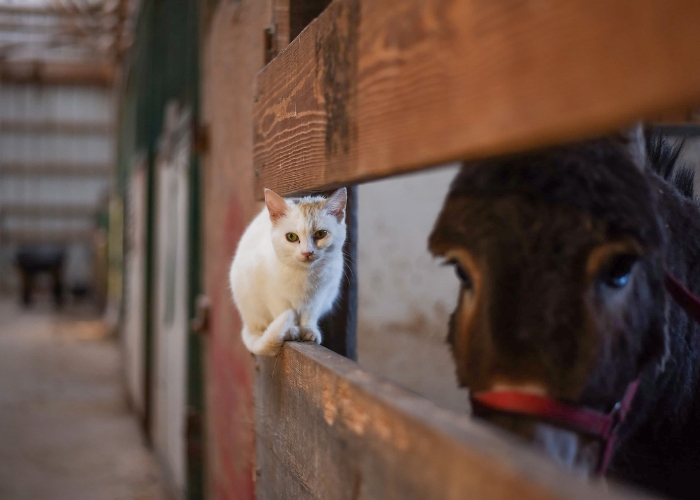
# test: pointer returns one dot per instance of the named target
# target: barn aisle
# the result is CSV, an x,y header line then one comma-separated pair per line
x,y
65,428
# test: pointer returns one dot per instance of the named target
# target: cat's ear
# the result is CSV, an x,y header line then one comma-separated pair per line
x,y
335,204
276,205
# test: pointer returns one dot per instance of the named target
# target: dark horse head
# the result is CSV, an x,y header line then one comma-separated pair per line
x,y
561,254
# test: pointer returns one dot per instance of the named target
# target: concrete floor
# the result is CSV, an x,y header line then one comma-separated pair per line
x,y
65,428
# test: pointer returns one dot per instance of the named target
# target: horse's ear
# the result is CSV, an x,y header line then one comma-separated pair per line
x,y
634,142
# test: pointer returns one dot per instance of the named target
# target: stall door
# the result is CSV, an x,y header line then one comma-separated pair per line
x,y
171,325
134,281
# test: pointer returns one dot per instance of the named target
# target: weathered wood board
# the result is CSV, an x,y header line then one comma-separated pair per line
x,y
378,87
326,429
232,54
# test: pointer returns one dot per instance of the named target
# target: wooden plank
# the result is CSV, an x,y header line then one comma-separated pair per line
x,y
56,169
52,10
380,87
45,236
328,429
58,73
56,126
232,54
49,211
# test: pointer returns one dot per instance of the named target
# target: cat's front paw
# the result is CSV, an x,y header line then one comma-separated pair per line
x,y
289,329
291,333
310,334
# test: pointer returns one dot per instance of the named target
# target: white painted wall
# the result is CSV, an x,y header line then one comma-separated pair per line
x,y
405,296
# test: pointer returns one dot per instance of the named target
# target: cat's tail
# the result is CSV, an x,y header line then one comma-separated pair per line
x,y
270,342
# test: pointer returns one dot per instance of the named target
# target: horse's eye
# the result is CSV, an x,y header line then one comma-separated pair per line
x,y
462,274
618,272
292,237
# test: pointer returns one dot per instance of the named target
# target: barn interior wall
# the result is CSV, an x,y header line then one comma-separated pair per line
x,y
405,296
35,132
233,53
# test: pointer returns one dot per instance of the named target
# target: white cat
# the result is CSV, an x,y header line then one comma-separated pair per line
x,y
287,269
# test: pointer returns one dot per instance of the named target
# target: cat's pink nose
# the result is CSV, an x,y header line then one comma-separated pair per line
x,y
307,254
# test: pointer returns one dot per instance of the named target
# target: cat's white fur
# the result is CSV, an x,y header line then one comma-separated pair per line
x,y
280,292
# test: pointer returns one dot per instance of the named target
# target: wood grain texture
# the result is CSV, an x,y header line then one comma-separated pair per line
x,y
329,430
379,87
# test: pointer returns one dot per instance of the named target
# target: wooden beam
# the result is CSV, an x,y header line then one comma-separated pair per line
x,y
374,88
56,169
39,10
45,236
57,73
56,126
328,429
48,211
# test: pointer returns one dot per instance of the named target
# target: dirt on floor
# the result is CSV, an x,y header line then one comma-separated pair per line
x,y
66,431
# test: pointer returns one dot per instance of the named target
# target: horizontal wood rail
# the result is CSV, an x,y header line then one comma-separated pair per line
x,y
328,429
58,73
373,88
49,211
45,236
55,126
50,10
56,169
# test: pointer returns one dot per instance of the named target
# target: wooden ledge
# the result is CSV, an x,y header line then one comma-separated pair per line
x,y
56,169
326,428
374,88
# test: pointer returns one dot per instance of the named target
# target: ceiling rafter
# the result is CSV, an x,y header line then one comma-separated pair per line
x,y
66,34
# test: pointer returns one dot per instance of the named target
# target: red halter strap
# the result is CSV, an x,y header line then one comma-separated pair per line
x,y
593,423
682,296
583,420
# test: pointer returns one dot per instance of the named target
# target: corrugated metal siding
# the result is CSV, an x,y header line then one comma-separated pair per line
x,y
56,157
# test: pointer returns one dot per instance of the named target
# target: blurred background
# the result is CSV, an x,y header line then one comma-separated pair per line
x,y
58,64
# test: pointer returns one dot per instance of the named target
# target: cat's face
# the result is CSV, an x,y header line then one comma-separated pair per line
x,y
307,231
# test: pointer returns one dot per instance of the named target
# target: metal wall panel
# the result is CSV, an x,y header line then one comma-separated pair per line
x,y
56,152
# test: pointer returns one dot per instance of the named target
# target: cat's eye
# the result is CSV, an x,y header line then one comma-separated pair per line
x,y
320,234
617,274
463,275
292,237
